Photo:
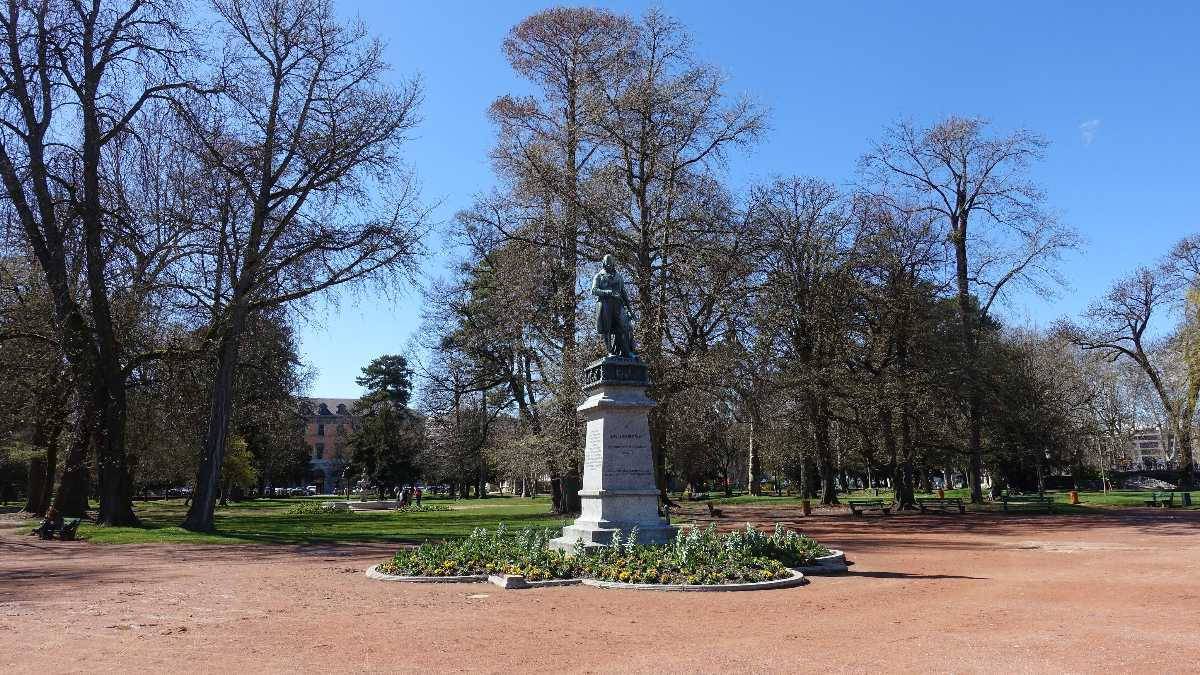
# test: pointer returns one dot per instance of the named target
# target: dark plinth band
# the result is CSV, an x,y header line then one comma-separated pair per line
x,y
616,370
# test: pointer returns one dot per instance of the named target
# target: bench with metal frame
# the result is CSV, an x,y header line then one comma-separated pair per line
x,y
1162,499
860,506
1030,499
943,503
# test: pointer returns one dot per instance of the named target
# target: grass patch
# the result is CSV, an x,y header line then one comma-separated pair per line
x,y
270,521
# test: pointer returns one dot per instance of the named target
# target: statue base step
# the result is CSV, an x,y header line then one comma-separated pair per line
x,y
596,535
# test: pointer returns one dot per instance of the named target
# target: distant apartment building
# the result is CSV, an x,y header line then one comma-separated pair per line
x,y
1151,449
327,434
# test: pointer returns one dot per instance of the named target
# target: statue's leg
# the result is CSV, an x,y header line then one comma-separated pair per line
x,y
623,344
609,346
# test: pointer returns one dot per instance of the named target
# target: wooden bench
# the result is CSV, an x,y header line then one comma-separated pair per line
x,y
1162,499
943,503
860,506
1032,500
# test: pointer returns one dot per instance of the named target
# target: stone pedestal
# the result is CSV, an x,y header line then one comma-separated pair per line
x,y
618,467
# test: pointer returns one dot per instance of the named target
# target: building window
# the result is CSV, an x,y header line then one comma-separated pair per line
x,y
320,450
320,429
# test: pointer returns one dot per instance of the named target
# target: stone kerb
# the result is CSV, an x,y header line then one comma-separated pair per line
x,y
374,573
834,563
516,581
797,579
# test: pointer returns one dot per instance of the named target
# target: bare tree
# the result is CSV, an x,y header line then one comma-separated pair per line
x,y
667,122
303,136
1120,326
806,298
995,218
104,62
547,150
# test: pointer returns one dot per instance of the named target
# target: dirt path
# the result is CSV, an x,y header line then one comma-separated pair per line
x,y
979,592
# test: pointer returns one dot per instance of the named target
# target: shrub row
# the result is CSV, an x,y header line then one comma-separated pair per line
x,y
694,557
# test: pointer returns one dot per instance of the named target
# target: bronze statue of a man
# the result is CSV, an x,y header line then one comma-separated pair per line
x,y
614,318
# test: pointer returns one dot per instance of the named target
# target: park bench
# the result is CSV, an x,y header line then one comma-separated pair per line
x,y
860,506
942,503
1033,500
65,531
1163,499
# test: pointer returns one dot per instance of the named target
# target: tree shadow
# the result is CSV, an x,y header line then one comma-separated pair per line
x,y
908,575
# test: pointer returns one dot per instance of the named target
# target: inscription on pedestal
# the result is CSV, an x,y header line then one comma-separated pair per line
x,y
626,452
593,451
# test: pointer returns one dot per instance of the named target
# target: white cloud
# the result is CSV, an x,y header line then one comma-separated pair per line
x,y
1087,131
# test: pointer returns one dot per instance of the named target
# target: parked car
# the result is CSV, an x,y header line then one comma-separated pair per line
x,y
296,492
281,492
310,490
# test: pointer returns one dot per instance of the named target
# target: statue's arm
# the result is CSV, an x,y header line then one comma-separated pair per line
x,y
596,290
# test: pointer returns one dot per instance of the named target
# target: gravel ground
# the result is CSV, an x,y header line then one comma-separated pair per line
x,y
974,593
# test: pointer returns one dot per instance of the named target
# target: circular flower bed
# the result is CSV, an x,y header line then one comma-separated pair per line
x,y
696,557
422,508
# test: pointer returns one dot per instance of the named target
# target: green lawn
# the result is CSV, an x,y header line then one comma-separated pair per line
x,y
268,521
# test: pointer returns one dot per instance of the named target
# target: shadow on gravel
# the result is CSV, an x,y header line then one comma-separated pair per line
x,y
906,575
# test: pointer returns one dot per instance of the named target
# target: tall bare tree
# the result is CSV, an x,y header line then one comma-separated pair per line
x,y
303,137
103,62
1122,325
994,216
667,123
546,152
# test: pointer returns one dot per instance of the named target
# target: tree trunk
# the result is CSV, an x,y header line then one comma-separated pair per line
x,y
1186,462
571,487
969,320
819,421
112,466
754,471
116,499
71,498
200,515
35,492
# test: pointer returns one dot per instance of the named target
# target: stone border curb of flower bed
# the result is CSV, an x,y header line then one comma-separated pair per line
x,y
374,573
515,581
797,579
834,563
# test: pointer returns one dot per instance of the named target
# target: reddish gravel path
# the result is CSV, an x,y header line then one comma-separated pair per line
x,y
1117,592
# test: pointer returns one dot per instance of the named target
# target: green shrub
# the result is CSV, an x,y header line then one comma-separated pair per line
x,y
483,552
694,557
423,508
787,546
309,508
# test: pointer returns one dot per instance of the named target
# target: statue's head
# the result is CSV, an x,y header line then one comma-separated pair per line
x,y
609,263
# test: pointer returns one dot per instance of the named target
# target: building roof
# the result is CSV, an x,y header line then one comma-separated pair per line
x,y
331,403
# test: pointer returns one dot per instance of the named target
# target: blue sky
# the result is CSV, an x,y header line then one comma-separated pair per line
x,y
1115,87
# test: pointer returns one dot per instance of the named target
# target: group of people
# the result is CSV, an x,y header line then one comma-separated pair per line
x,y
410,495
